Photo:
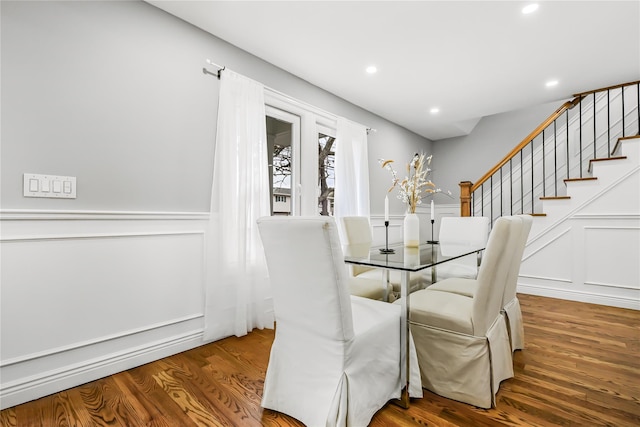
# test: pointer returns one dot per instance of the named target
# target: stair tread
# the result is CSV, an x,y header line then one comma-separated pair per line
x,y
586,178
623,138
555,197
602,159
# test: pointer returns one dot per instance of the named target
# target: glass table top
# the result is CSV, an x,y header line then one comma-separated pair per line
x,y
413,259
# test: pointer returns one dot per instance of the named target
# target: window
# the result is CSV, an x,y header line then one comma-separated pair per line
x,y
308,127
280,137
326,173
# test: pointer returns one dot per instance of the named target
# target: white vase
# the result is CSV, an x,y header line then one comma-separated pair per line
x,y
411,230
411,257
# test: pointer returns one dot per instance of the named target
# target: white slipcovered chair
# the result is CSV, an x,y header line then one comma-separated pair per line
x,y
455,231
510,303
335,359
364,286
357,243
462,343
368,288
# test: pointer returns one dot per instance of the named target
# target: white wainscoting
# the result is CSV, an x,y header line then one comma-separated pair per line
x,y
88,294
586,258
587,248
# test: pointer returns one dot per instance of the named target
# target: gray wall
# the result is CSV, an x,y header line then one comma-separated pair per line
x,y
113,93
467,158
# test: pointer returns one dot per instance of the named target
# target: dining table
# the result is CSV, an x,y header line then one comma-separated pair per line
x,y
407,260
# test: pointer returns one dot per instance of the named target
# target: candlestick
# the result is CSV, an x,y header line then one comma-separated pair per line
x,y
432,241
386,208
386,249
432,217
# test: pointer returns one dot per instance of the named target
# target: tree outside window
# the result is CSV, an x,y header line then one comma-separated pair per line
x,y
326,174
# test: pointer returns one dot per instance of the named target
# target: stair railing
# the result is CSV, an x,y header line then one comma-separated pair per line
x,y
562,148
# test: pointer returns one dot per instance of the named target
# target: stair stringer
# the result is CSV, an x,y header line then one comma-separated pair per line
x,y
587,248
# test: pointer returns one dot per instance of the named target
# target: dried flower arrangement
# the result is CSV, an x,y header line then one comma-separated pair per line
x,y
416,184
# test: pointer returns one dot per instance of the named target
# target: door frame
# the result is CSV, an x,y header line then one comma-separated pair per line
x,y
304,146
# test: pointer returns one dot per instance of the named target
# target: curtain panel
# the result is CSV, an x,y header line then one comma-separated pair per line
x,y
351,170
237,284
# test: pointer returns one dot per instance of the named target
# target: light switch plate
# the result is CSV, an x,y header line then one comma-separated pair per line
x,y
49,186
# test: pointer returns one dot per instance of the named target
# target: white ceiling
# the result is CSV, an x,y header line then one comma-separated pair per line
x,y
469,58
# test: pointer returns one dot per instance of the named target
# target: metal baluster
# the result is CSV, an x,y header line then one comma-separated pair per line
x,y
567,126
510,187
594,126
608,125
482,199
622,90
501,193
532,210
555,159
521,183
544,171
580,139
491,199
472,200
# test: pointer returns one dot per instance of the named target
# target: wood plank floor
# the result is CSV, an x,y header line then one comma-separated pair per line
x,y
580,367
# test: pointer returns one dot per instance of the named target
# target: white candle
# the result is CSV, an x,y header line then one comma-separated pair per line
x,y
386,208
432,210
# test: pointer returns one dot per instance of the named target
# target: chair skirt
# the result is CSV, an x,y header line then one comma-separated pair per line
x,y
515,324
328,382
464,367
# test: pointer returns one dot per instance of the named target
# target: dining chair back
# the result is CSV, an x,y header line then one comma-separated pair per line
x,y
462,342
335,359
462,230
510,302
358,240
357,243
308,276
494,271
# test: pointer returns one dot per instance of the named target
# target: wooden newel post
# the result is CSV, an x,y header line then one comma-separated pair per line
x,y
465,198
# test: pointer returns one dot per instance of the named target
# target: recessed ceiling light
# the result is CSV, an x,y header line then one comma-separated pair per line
x,y
551,83
371,69
434,110
530,8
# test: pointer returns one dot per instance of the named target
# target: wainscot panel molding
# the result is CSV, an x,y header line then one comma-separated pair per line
x,y
546,278
624,253
587,247
578,260
86,294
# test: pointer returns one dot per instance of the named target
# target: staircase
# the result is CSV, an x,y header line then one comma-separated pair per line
x,y
578,174
614,177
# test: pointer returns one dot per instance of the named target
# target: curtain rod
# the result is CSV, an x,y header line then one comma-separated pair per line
x,y
221,68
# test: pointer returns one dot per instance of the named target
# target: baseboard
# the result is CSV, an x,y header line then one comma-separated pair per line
x,y
45,383
620,302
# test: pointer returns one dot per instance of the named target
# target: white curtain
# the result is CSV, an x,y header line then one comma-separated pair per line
x,y
236,279
351,170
